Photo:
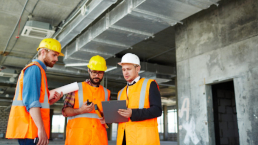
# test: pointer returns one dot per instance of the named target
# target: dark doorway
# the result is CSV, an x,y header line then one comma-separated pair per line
x,y
225,115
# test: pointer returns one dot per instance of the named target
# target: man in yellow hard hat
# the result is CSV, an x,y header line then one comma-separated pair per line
x,y
29,116
84,127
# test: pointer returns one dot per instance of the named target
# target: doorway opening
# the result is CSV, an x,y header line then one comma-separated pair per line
x,y
225,115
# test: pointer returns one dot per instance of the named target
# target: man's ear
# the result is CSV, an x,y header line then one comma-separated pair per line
x,y
43,51
138,69
88,70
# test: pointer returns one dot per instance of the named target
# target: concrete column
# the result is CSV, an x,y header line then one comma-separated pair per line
x,y
177,135
109,132
102,83
165,122
51,118
65,128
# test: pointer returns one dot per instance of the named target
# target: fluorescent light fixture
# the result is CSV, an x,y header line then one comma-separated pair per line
x,y
112,68
141,71
76,64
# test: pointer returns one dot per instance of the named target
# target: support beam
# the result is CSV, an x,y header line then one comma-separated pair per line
x,y
165,123
51,118
110,132
116,44
65,124
132,31
156,17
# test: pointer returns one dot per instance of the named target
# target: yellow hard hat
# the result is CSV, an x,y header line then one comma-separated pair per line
x,y
97,63
51,44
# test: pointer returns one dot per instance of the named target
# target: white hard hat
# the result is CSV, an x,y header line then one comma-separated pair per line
x,y
130,58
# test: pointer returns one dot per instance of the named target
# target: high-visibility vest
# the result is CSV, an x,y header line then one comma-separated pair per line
x,y
86,129
138,132
20,123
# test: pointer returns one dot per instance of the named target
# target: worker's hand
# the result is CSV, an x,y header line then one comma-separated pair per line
x,y
86,108
55,97
102,120
127,113
43,140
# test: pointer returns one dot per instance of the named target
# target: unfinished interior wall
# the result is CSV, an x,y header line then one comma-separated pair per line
x,y
3,121
213,46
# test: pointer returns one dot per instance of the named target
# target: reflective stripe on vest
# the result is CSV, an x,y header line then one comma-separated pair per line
x,y
119,96
106,93
17,102
142,94
80,95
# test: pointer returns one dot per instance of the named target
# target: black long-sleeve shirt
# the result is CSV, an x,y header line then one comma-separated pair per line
x,y
155,109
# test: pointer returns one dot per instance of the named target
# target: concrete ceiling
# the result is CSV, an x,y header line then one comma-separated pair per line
x,y
157,51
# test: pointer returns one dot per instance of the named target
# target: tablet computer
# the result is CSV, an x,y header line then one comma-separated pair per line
x,y
110,109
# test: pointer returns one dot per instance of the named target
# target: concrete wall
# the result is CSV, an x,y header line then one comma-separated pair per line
x,y
213,46
3,121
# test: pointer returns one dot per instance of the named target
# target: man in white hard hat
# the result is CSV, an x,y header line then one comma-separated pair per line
x,y
143,106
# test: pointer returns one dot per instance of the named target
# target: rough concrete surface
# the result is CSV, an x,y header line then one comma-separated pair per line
x,y
213,46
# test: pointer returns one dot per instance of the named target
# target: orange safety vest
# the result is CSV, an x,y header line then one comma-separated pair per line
x,y
86,129
138,132
21,124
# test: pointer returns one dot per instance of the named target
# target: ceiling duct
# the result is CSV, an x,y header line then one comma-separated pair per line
x,y
89,12
39,30
127,24
6,72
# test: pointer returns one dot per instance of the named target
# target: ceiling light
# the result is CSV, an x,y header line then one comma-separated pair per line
x,y
76,64
112,68
141,71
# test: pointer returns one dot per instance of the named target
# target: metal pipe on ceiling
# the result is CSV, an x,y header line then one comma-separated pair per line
x,y
60,29
78,23
92,11
16,26
20,32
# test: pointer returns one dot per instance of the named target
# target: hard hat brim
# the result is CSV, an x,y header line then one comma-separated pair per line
x,y
104,69
121,63
60,54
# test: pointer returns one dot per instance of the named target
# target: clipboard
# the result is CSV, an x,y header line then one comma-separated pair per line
x,y
110,109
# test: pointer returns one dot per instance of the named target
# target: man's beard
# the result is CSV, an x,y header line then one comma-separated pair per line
x,y
94,82
48,62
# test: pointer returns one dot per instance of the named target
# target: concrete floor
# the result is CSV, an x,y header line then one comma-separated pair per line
x,y
57,142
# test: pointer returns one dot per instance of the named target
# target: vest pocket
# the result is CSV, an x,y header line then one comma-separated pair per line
x,y
147,136
20,129
78,136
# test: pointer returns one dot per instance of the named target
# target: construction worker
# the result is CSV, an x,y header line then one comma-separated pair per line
x,y
30,115
143,106
84,127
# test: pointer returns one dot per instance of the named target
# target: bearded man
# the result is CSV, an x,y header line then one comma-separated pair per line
x,y
84,126
30,114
